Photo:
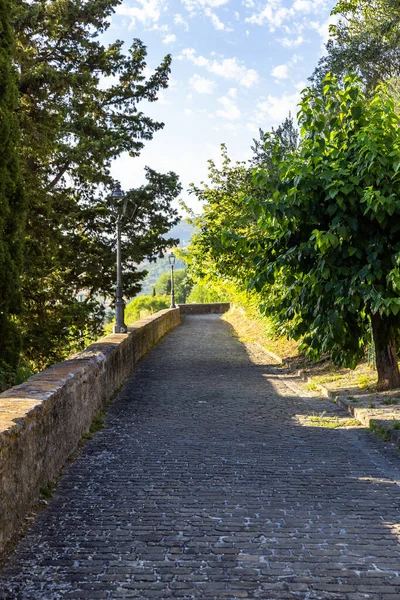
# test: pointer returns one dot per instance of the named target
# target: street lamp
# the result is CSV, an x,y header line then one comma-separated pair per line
x,y
119,326
171,260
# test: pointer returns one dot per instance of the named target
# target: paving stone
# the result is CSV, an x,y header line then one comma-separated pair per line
x,y
206,483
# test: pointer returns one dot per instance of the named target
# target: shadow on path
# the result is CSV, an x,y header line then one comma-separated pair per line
x,y
204,484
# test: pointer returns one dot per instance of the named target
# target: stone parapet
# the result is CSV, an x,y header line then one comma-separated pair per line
x,y
43,419
204,309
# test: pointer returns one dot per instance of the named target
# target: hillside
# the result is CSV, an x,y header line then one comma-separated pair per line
x,y
183,232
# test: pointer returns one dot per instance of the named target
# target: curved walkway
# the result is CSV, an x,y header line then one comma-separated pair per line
x,y
206,483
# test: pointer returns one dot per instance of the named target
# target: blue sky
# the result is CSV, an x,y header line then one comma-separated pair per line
x,y
237,66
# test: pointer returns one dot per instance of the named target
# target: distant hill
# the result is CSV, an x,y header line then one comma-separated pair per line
x,y
183,231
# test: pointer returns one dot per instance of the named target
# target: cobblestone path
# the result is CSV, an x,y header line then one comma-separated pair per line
x,y
206,484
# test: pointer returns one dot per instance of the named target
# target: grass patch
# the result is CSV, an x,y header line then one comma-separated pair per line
x,y
365,382
96,425
251,330
47,491
380,431
390,401
332,422
98,422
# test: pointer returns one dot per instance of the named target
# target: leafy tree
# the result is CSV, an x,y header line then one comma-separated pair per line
x,y
12,210
228,226
182,285
149,218
223,224
203,293
366,40
141,307
287,138
332,227
80,109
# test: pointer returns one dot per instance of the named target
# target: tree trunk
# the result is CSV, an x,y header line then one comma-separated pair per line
x,y
386,352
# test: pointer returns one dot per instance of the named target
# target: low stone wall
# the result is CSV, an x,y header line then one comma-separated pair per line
x,y
43,419
204,309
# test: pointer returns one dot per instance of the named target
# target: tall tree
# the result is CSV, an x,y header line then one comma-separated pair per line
x,y
11,199
79,109
365,40
332,227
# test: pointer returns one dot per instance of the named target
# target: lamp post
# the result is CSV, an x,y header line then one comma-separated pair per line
x,y
171,260
119,326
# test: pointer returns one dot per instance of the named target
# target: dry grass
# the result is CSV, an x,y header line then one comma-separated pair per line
x,y
335,379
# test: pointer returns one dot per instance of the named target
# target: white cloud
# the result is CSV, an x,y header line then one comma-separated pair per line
x,y
292,43
169,39
193,6
252,127
272,13
162,99
202,85
300,85
228,68
218,25
276,15
231,68
280,72
232,92
276,108
230,110
179,20
145,11
162,28
323,28
305,6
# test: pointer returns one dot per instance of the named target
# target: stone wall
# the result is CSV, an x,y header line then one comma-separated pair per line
x,y
204,309
43,419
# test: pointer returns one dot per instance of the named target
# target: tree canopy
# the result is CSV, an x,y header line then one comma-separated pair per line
x,y
314,230
365,40
79,107
12,204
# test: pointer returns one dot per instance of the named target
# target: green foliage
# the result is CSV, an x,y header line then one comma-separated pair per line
x,y
182,285
80,108
10,376
12,209
154,270
366,40
141,307
331,229
227,234
379,430
204,292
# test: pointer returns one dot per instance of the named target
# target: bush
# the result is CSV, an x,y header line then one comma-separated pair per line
x,y
10,377
202,293
141,307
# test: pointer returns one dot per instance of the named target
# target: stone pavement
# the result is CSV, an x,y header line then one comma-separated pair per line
x,y
205,484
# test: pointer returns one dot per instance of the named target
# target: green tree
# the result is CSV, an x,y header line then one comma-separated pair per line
x,y
365,40
203,293
12,210
286,137
80,108
332,227
227,235
182,285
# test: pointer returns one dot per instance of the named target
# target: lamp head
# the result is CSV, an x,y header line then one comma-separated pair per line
x,y
118,194
171,259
